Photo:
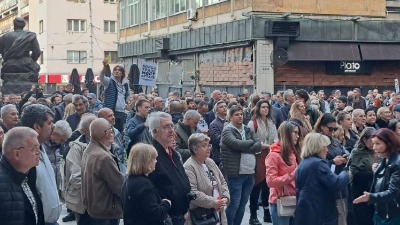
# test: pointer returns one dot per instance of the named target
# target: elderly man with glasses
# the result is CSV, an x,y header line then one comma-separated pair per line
x,y
100,172
169,177
20,202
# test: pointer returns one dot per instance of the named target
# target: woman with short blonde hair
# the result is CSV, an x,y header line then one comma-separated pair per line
x,y
316,184
142,203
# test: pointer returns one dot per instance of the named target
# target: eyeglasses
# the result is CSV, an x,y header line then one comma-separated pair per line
x,y
111,129
34,149
117,69
332,129
208,146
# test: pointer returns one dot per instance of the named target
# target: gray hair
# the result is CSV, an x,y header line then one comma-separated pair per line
x,y
217,104
154,120
195,141
86,120
287,93
192,114
16,137
4,110
83,98
68,97
62,128
357,112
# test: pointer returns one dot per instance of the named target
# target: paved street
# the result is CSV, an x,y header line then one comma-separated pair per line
x,y
245,219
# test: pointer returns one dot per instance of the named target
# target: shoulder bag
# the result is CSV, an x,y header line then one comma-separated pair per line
x,y
204,216
286,205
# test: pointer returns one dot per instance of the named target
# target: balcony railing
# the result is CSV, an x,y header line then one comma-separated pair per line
x,y
24,10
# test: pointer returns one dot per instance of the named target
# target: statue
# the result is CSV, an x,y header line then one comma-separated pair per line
x,y
20,51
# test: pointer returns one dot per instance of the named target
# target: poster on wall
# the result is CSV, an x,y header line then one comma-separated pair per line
x,y
148,74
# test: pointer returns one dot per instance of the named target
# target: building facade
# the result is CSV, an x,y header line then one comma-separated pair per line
x,y
268,45
71,33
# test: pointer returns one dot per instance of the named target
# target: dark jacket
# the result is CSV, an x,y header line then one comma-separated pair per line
x,y
209,117
137,132
232,146
315,185
336,149
176,117
142,205
171,181
59,112
381,123
15,208
74,120
313,114
351,141
183,133
285,108
111,94
214,132
361,171
386,196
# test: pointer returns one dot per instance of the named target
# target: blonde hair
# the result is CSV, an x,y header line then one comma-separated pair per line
x,y
140,158
69,109
313,144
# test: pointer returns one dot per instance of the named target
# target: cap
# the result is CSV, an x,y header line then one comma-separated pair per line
x,y
91,96
396,108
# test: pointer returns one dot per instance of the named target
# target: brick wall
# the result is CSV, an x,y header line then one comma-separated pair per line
x,y
314,74
226,74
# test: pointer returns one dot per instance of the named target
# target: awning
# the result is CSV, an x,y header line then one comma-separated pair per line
x,y
323,51
380,51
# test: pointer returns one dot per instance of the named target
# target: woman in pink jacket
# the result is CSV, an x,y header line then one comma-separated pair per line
x,y
281,164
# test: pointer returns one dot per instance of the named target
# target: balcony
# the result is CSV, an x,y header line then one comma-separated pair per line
x,y
7,5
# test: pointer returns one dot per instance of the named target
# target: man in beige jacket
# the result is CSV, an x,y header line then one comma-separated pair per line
x,y
101,178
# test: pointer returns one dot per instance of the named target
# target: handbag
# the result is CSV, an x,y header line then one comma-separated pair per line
x,y
204,216
286,205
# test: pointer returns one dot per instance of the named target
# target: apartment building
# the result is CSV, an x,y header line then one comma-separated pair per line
x,y
71,33
265,44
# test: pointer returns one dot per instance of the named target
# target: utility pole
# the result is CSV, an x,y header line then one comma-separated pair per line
x,y
91,34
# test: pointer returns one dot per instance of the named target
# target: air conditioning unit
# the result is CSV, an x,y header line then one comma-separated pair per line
x,y
191,14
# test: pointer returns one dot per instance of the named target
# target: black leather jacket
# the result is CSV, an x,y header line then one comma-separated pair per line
x,y
386,197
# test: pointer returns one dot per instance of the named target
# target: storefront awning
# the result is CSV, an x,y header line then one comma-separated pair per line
x,y
323,51
380,51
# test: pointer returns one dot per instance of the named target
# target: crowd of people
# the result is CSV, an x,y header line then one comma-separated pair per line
x,y
198,159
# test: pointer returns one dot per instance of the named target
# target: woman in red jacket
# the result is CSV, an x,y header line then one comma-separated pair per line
x,y
281,164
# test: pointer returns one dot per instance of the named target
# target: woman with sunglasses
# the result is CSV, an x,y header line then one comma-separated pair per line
x,y
337,158
344,119
281,164
205,178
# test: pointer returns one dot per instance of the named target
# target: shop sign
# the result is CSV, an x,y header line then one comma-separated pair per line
x,y
346,67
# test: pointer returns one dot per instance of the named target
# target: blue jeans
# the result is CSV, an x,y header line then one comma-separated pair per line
x,y
279,220
239,188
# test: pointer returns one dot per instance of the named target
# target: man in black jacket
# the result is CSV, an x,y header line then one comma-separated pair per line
x,y
169,177
20,202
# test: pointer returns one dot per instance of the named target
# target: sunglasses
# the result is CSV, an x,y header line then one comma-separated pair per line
x,y
332,129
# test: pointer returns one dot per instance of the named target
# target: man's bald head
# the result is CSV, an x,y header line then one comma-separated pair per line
x,y
98,128
107,114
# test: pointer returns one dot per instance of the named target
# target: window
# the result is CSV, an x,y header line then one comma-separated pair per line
x,y
77,25
199,3
110,26
41,60
112,55
123,14
133,12
40,26
76,57
159,9
178,6
109,1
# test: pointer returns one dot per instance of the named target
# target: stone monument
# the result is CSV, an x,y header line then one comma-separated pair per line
x,y
20,51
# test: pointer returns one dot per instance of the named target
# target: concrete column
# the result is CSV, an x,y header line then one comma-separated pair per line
x,y
264,71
